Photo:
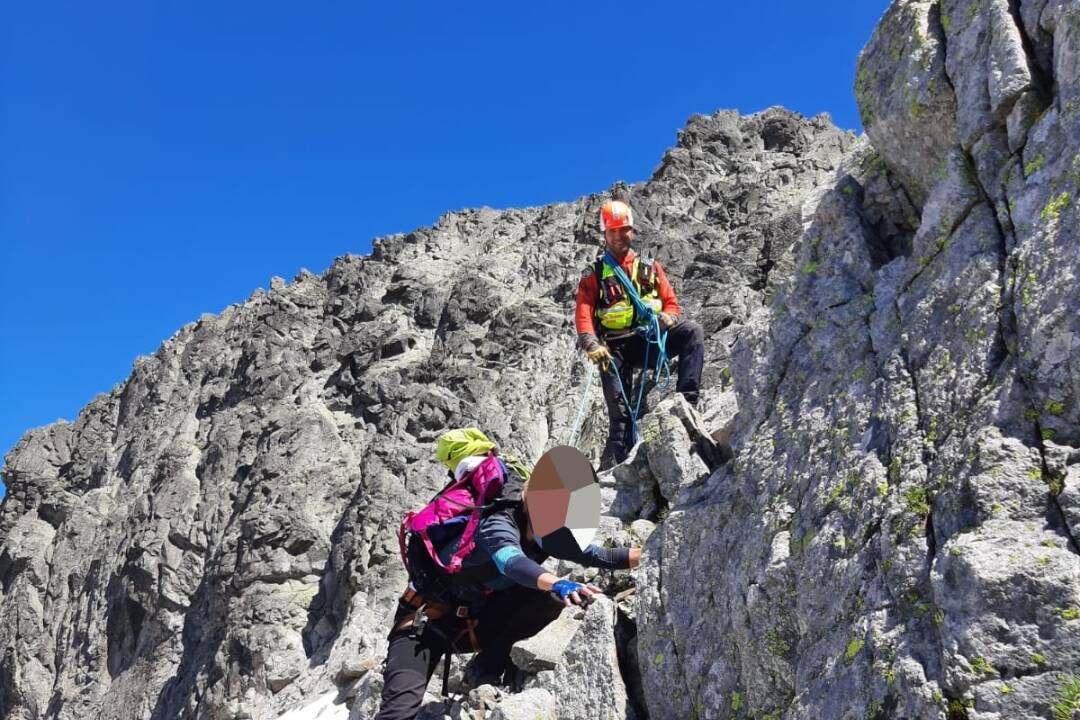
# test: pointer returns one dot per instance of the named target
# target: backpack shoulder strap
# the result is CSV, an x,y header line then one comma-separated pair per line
x,y
516,477
598,273
646,274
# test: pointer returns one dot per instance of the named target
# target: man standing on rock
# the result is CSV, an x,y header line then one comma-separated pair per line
x,y
612,327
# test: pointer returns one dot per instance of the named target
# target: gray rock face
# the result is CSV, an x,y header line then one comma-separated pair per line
x,y
544,650
895,536
587,682
875,515
532,704
904,94
215,537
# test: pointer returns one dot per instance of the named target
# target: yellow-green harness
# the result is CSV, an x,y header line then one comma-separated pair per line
x,y
616,309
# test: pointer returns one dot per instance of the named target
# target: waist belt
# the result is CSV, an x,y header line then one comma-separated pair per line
x,y
434,610
428,610
609,335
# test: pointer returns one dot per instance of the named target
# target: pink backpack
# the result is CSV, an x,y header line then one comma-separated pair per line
x,y
471,494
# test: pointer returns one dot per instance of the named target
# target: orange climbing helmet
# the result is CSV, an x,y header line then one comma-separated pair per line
x,y
615,214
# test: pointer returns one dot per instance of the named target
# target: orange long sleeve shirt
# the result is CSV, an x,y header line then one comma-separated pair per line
x,y
589,292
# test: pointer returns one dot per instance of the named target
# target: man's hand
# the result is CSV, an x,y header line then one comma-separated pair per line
x,y
574,593
600,356
667,320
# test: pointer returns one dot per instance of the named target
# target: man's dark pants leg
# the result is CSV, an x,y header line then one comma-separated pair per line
x,y
686,341
626,355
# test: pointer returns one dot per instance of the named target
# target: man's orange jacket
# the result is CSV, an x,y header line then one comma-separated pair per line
x,y
588,294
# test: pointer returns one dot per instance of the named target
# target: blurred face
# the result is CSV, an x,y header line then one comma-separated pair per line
x,y
618,240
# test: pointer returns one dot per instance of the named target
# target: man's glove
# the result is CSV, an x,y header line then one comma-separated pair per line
x,y
601,356
667,320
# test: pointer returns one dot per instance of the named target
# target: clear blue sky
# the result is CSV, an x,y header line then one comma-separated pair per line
x,y
159,160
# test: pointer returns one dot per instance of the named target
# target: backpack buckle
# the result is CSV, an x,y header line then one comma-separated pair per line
x,y
462,611
420,621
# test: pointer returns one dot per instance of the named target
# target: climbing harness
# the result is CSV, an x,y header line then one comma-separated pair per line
x,y
424,612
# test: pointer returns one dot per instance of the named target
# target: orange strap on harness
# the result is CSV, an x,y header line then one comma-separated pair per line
x,y
436,610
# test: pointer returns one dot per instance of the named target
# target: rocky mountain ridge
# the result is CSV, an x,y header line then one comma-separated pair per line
x,y
875,514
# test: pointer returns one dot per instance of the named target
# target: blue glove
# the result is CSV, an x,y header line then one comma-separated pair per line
x,y
565,587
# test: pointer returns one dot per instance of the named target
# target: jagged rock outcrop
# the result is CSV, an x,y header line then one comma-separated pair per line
x,y
895,536
215,537
875,516
586,682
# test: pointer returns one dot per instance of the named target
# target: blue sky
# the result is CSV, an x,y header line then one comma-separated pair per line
x,y
159,160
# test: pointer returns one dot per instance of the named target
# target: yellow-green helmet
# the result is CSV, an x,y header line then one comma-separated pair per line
x,y
453,445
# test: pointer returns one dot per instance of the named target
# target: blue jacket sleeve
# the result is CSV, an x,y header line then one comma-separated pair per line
x,y
606,558
499,536
603,558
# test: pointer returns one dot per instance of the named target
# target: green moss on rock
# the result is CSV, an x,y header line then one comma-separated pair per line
x,y
1056,205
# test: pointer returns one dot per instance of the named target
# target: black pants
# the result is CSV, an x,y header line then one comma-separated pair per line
x,y
509,616
686,341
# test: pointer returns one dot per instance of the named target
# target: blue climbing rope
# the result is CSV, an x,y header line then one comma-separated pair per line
x,y
650,329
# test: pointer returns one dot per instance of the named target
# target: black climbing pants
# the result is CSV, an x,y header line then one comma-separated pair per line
x,y
686,341
510,615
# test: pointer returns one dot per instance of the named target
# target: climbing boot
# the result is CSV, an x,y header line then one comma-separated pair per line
x,y
485,670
